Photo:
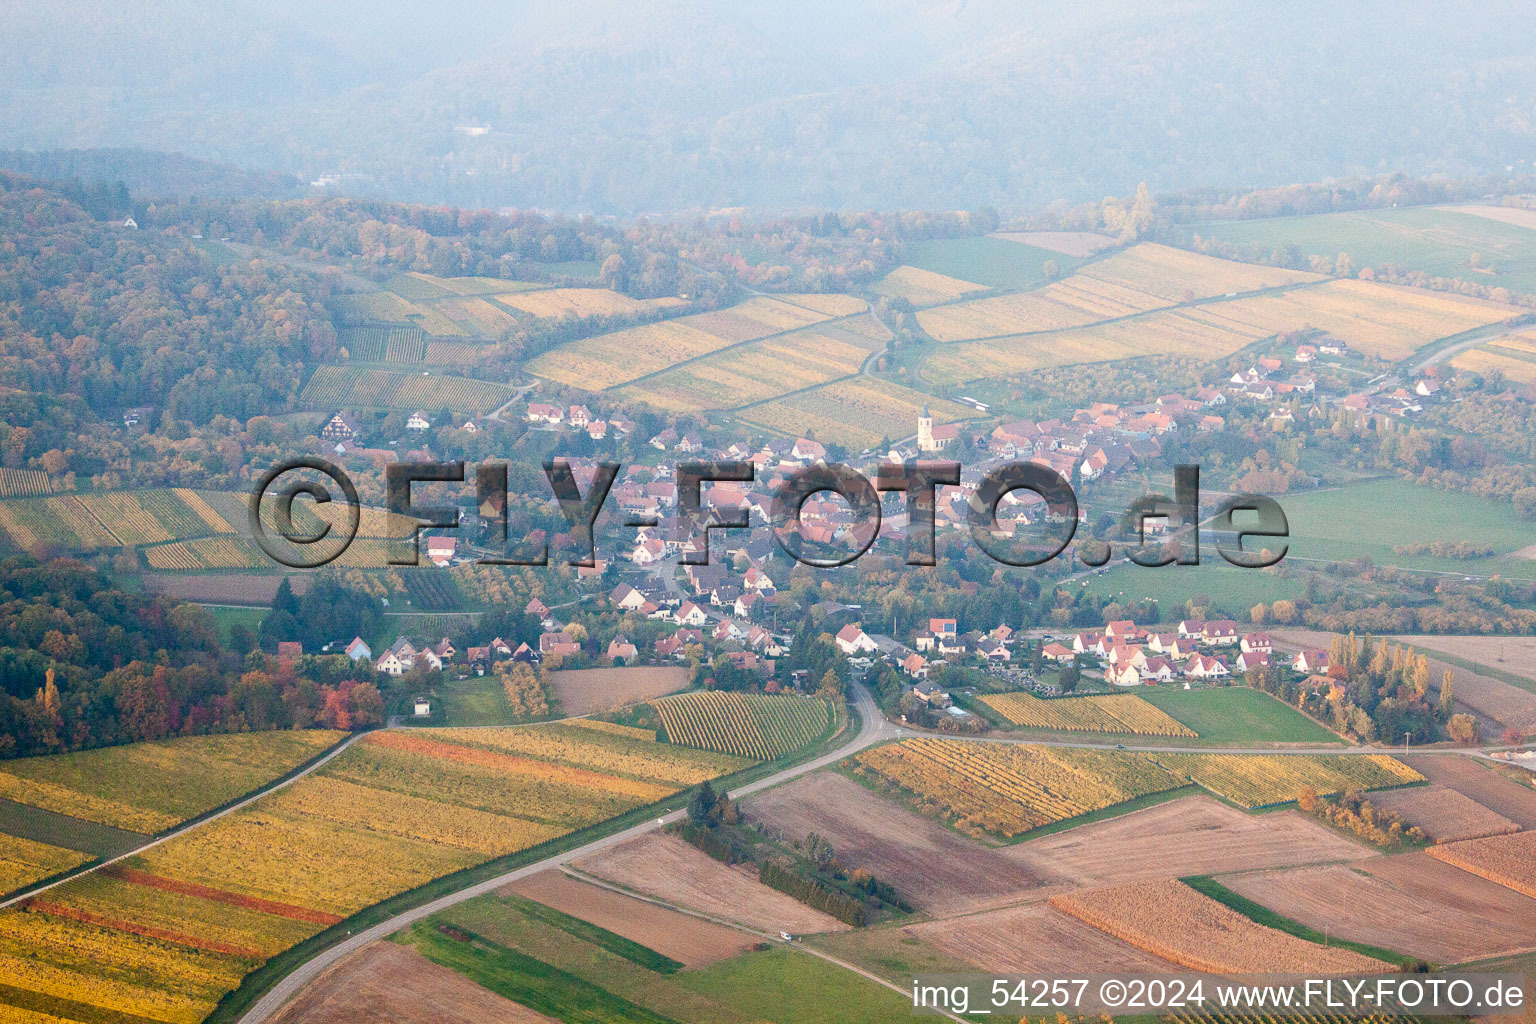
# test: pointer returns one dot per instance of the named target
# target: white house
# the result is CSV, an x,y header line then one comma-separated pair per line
x,y
852,639
358,649
422,708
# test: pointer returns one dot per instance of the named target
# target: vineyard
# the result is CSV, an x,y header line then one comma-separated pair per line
x,y
1507,860
858,412
558,303
757,726
334,387
1009,789
608,360
1169,919
24,483
430,589
923,287
207,553
754,372
110,519
1119,712
150,787
1254,781
24,861
166,934
383,344
370,308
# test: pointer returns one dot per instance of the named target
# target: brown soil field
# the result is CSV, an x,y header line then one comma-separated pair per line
x,y
669,869
585,690
1407,902
1518,653
1169,919
1444,814
1036,940
1194,835
688,940
223,588
1508,860
936,870
389,984
1486,786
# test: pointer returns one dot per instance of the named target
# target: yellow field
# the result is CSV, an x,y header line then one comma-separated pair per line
x,y
857,413
1140,279
831,304
1489,359
753,372
205,553
1188,332
166,934
609,360
1009,789
24,483
1265,780
554,303
1382,320
757,726
389,308
923,287
1117,712
24,861
479,315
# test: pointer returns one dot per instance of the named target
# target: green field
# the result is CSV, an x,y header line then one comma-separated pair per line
x,y
226,618
1228,588
1370,519
995,262
790,988
1236,715
1437,241
478,700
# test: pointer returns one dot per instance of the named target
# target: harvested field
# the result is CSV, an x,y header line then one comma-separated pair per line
x,y
1408,902
934,869
1036,940
1513,654
1169,919
1508,860
1487,787
667,868
688,940
391,984
1444,814
923,287
583,691
1193,835
1077,244
1519,217
857,412
1490,358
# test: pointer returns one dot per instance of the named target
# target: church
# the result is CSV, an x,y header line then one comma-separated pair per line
x,y
931,438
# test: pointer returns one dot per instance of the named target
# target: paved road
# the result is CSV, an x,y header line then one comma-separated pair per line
x,y
199,823
873,729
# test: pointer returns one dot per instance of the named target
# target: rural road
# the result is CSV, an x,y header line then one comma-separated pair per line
x,y
198,823
873,729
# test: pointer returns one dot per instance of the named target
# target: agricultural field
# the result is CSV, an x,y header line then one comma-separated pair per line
x,y
688,941
989,261
1038,940
24,483
383,344
923,287
1507,860
24,861
1516,365
857,413
1192,835
165,934
207,553
1137,280
757,726
424,287
107,519
608,360
334,387
558,303
253,589
665,867
1010,789
934,869
586,690
1170,920
1268,780
1238,715
151,787
370,308
754,372
1117,713
1407,902
1471,779
1078,244
1440,241
1444,814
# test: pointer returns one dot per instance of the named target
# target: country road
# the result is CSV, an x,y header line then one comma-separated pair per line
x,y
873,729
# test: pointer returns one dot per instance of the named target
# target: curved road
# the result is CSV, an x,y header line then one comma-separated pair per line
x,y
873,729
